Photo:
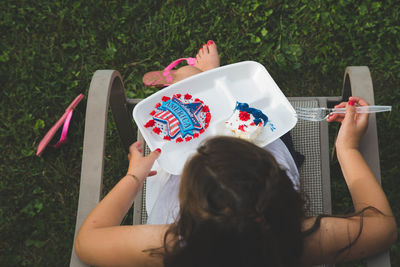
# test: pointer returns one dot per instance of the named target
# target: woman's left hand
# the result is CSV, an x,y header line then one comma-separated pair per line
x,y
141,166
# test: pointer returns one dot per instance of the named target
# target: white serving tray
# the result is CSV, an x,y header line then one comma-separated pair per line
x,y
219,88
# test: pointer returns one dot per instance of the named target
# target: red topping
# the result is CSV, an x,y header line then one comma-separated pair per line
x,y
195,135
165,98
157,130
179,139
252,124
206,126
177,95
199,100
202,131
158,104
150,123
187,96
167,138
188,138
241,128
205,109
208,118
152,113
244,116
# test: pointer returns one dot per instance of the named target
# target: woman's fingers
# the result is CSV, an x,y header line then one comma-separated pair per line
x,y
154,155
135,147
150,158
361,118
350,112
140,165
341,105
138,146
340,117
359,101
152,173
337,117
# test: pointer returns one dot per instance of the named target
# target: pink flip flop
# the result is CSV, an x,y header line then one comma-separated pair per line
x,y
165,77
65,119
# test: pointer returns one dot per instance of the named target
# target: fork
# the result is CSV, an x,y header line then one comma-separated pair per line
x,y
320,114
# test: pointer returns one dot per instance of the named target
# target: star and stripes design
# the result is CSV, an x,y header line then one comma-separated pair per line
x,y
180,118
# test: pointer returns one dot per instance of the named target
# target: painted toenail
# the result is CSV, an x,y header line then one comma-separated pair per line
x,y
210,42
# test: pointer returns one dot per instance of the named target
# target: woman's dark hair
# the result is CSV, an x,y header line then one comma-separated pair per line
x,y
237,208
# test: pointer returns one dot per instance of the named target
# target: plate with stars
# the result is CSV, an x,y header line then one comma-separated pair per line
x,y
179,117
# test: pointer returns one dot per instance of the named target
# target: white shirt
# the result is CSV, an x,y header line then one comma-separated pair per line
x,y
162,202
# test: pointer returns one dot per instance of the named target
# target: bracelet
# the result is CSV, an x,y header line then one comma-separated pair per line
x,y
134,177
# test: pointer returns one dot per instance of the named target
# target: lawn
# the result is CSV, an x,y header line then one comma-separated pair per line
x,y
49,51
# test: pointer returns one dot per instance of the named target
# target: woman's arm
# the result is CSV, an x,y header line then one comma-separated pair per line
x,y
363,186
101,240
379,230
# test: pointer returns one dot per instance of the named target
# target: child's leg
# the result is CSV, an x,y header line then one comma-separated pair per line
x,y
207,58
185,72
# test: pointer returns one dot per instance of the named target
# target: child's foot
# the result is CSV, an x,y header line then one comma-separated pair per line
x,y
207,58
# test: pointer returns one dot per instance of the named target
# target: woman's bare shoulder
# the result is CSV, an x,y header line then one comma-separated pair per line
x,y
123,245
363,235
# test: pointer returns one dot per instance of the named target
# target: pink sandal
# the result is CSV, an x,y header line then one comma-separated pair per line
x,y
165,77
65,119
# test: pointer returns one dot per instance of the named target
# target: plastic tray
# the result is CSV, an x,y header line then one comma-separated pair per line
x,y
219,88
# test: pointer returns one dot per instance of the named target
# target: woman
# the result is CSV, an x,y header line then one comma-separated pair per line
x,y
238,208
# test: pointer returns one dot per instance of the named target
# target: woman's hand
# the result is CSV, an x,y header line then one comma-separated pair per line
x,y
140,166
353,124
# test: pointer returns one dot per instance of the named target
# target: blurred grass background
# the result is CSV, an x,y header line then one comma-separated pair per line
x,y
49,51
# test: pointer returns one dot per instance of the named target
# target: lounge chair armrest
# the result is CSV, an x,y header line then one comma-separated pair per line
x,y
104,83
121,113
358,82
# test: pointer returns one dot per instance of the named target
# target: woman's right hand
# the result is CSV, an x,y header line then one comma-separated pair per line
x,y
139,165
353,125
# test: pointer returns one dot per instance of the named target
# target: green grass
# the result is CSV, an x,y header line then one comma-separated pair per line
x,y
50,49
